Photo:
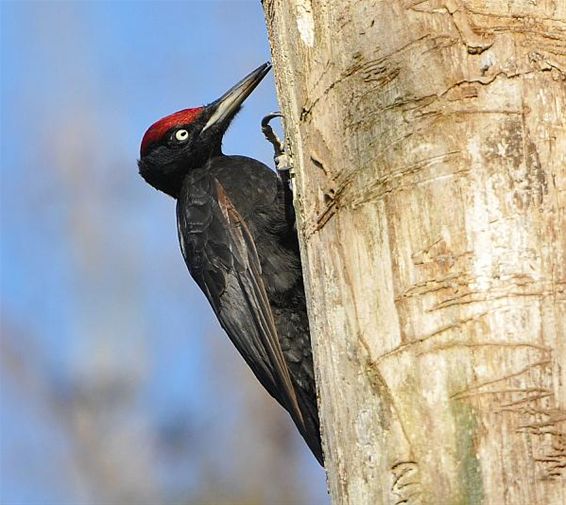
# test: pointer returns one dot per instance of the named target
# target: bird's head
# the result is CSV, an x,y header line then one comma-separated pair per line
x,y
188,138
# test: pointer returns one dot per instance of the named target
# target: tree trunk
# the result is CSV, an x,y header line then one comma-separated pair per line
x,y
429,145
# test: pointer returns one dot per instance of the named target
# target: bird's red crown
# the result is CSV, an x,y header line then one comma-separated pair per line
x,y
158,129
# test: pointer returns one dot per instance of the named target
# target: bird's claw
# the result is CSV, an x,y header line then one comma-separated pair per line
x,y
282,160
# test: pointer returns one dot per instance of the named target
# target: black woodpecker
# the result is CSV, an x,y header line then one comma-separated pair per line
x,y
237,235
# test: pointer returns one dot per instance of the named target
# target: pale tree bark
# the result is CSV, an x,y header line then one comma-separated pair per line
x,y
429,144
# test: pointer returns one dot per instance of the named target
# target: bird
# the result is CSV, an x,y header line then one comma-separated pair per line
x,y
237,233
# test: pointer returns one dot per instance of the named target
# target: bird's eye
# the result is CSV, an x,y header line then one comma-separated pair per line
x,y
181,135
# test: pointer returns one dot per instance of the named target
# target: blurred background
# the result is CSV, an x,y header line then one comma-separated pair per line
x,y
118,387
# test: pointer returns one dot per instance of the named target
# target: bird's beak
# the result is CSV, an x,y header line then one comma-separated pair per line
x,y
231,101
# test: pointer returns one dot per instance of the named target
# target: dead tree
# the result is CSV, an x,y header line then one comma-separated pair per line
x,y
429,144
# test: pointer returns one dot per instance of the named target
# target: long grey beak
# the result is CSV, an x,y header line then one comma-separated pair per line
x,y
230,101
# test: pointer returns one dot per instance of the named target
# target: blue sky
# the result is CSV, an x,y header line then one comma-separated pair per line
x,y
105,338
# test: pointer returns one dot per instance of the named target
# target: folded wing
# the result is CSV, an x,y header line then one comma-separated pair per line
x,y
220,253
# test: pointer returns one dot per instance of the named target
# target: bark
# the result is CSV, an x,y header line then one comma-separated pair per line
x,y
429,145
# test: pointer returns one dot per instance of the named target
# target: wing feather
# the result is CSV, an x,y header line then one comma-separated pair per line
x,y
221,255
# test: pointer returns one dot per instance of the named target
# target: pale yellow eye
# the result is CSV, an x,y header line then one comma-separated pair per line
x,y
181,135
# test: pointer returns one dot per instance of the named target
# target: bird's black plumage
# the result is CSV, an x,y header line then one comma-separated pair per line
x,y
243,254
239,243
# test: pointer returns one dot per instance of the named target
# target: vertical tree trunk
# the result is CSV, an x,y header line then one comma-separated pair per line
x,y
429,143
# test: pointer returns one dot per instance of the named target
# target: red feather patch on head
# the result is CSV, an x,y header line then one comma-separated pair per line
x,y
158,129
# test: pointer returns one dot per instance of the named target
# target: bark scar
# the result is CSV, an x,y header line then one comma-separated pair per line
x,y
476,44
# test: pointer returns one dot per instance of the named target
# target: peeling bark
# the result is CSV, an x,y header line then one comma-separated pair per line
x,y
429,144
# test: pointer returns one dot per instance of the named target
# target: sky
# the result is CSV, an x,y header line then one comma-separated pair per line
x,y
117,384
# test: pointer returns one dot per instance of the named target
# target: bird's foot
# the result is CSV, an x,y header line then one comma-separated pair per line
x,y
283,161
283,165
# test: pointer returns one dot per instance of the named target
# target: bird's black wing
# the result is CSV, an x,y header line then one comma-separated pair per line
x,y
221,255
